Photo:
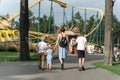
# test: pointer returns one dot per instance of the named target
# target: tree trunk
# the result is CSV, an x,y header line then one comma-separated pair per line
x,y
108,32
24,28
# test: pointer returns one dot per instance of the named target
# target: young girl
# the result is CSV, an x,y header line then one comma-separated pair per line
x,y
49,53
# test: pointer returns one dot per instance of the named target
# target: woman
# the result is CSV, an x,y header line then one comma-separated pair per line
x,y
62,49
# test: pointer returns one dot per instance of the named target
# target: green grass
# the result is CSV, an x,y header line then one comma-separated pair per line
x,y
14,56
115,68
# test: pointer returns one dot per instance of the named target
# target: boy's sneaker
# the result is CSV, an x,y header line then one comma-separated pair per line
x,y
50,69
39,67
42,69
80,69
62,66
83,68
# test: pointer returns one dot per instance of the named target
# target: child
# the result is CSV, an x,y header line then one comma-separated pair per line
x,y
115,53
41,52
49,53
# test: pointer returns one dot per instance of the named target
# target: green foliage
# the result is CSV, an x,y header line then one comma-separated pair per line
x,y
78,20
90,23
47,22
2,48
32,49
116,30
33,21
44,26
11,48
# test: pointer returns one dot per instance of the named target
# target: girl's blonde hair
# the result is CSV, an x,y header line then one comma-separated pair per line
x,y
42,38
49,46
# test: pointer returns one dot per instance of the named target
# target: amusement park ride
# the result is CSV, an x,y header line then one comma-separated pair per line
x,y
9,34
6,32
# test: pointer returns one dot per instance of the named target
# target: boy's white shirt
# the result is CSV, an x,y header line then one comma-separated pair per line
x,y
41,46
81,42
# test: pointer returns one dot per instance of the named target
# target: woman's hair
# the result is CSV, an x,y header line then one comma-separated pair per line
x,y
62,28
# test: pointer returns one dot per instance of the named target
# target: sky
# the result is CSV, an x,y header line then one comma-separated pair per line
x,y
12,6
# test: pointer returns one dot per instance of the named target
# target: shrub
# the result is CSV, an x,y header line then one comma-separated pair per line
x,y
11,48
32,49
2,48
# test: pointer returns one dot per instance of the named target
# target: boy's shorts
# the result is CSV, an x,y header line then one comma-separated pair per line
x,y
41,56
81,53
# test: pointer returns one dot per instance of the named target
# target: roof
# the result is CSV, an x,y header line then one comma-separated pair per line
x,y
75,30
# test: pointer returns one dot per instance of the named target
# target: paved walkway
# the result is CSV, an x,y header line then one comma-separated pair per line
x,y
30,71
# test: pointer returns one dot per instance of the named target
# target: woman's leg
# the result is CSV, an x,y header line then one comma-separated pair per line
x,y
62,63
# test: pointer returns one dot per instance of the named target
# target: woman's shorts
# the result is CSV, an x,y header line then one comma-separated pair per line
x,y
62,52
81,53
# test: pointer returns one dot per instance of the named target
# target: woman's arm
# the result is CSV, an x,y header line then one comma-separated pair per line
x,y
57,41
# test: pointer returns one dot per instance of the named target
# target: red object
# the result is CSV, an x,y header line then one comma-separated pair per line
x,y
74,50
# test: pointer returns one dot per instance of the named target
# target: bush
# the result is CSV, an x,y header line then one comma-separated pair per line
x,y
2,48
11,48
32,49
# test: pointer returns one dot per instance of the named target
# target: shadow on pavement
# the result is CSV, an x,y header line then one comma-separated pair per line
x,y
89,68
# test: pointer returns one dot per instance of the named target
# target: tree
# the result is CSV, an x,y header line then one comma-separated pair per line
x,y
24,28
33,21
108,32
79,20
116,30
90,23
44,24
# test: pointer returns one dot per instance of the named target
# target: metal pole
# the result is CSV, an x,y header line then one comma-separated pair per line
x,y
63,15
85,23
72,15
50,17
39,20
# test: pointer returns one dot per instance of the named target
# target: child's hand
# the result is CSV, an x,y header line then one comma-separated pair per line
x,y
36,52
54,48
86,52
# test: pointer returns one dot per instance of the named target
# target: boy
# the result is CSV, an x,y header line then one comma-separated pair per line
x,y
41,53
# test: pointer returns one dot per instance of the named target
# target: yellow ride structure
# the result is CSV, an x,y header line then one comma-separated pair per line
x,y
9,34
6,32
65,5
